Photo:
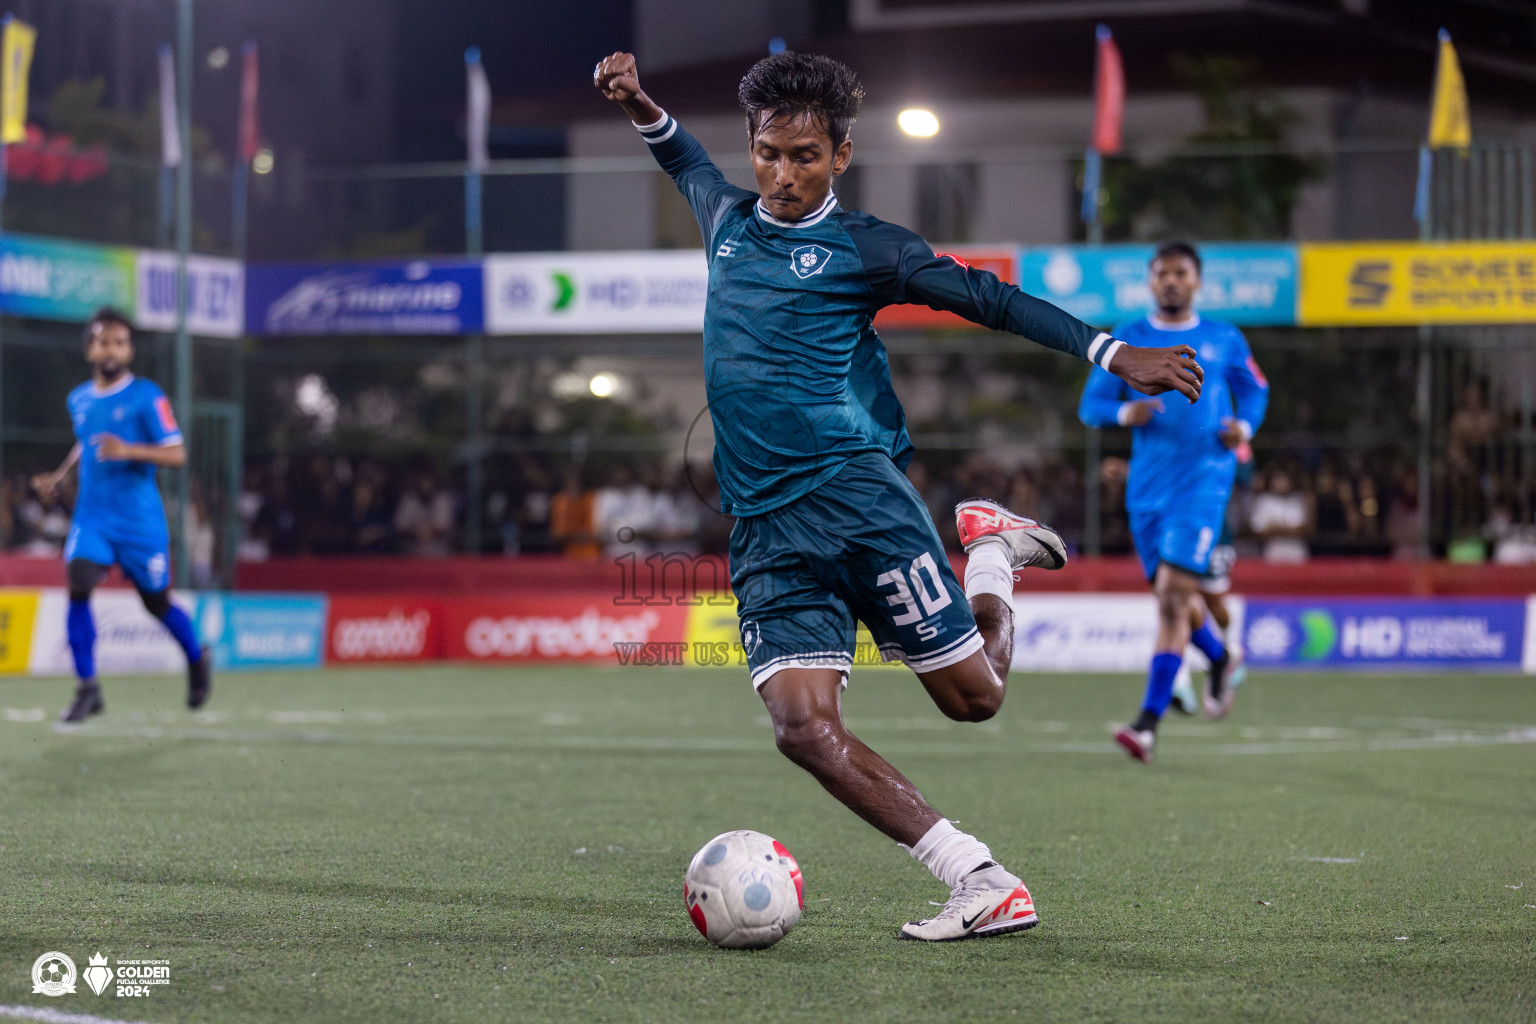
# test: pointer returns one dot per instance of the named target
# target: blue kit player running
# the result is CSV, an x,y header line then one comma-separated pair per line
x,y
810,444
124,429
1182,466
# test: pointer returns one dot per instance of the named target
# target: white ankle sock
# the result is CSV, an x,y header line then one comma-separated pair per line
x,y
949,853
988,571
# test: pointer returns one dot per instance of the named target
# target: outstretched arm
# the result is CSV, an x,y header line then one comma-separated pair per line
x,y
907,270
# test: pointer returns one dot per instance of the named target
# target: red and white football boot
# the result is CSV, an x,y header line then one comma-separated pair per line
x,y
988,901
1030,543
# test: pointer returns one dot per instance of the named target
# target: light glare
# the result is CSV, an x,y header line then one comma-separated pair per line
x,y
603,385
262,162
918,122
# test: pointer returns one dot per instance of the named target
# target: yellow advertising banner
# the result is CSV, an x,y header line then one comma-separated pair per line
x,y
1366,284
18,610
16,40
714,640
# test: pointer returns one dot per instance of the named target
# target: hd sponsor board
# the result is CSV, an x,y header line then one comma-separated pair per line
x,y
403,297
1378,283
1246,284
1375,633
578,293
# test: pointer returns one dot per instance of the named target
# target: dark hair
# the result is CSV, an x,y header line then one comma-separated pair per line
x,y
103,316
1178,249
789,84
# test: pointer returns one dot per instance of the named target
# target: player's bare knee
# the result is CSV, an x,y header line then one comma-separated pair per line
x,y
978,707
808,740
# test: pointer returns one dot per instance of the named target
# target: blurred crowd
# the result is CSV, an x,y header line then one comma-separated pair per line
x,y
1293,506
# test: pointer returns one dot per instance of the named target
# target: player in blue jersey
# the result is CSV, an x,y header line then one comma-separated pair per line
x,y
811,441
1182,467
124,429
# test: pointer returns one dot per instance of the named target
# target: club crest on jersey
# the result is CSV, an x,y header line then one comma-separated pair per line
x,y
808,260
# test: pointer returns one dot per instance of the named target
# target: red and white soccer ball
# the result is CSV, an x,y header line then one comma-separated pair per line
x,y
743,890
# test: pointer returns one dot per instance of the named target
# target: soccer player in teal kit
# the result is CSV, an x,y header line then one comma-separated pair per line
x,y
810,446
1183,461
124,429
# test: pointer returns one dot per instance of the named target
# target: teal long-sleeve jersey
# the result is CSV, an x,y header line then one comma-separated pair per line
x,y
797,380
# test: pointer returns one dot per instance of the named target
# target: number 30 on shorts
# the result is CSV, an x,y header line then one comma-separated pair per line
x,y
930,593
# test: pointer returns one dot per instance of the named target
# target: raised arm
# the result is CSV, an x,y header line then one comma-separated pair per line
x,y
678,153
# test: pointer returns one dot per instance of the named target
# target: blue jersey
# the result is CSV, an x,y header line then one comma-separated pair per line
x,y
120,498
1178,456
797,380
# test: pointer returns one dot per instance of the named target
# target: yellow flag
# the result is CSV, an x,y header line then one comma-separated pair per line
x,y
1449,124
19,37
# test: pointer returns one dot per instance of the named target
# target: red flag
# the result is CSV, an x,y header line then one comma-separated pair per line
x,y
1109,95
250,116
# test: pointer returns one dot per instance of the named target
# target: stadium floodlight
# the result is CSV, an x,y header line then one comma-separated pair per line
x,y
603,385
262,162
918,122
218,57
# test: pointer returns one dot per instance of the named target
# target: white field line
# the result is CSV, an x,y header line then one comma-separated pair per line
x,y
51,1016
1515,735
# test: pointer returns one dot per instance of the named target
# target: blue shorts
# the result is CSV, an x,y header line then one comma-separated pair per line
x,y
863,547
144,560
1183,536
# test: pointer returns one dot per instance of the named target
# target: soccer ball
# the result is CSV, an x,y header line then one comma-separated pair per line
x,y
743,890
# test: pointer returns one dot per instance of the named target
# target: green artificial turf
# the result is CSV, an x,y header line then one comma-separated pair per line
x,y
469,844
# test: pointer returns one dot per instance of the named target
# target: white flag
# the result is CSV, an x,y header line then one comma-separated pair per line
x,y
479,120
170,132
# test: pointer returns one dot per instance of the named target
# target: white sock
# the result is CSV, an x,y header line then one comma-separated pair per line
x,y
949,853
988,571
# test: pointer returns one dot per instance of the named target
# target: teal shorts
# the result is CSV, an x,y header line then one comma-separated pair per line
x,y
860,548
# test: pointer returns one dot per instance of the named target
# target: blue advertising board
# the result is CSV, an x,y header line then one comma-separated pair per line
x,y
1385,633
1246,284
263,630
58,280
414,297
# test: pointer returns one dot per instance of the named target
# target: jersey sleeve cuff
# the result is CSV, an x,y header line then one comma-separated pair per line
x,y
1103,349
1245,428
169,440
658,132
1123,414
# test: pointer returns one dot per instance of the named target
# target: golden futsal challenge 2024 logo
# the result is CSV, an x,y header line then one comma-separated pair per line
x,y
54,974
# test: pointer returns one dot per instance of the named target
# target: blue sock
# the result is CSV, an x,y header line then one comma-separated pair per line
x,y
181,628
1165,666
1209,643
82,639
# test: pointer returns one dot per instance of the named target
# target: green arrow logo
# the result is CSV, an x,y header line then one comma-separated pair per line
x,y
1319,635
565,292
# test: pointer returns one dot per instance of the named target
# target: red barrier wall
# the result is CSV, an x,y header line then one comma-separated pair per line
x,y
552,574
545,574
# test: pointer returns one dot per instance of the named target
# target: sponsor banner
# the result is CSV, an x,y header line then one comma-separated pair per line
x,y
253,631
215,294
129,640
363,629
573,293
1385,283
18,611
527,629
713,639
1528,661
1251,285
1372,633
1093,632
416,297
54,280
1002,261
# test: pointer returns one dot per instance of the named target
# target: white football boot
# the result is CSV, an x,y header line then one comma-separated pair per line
x,y
1030,543
1219,686
1184,699
988,901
